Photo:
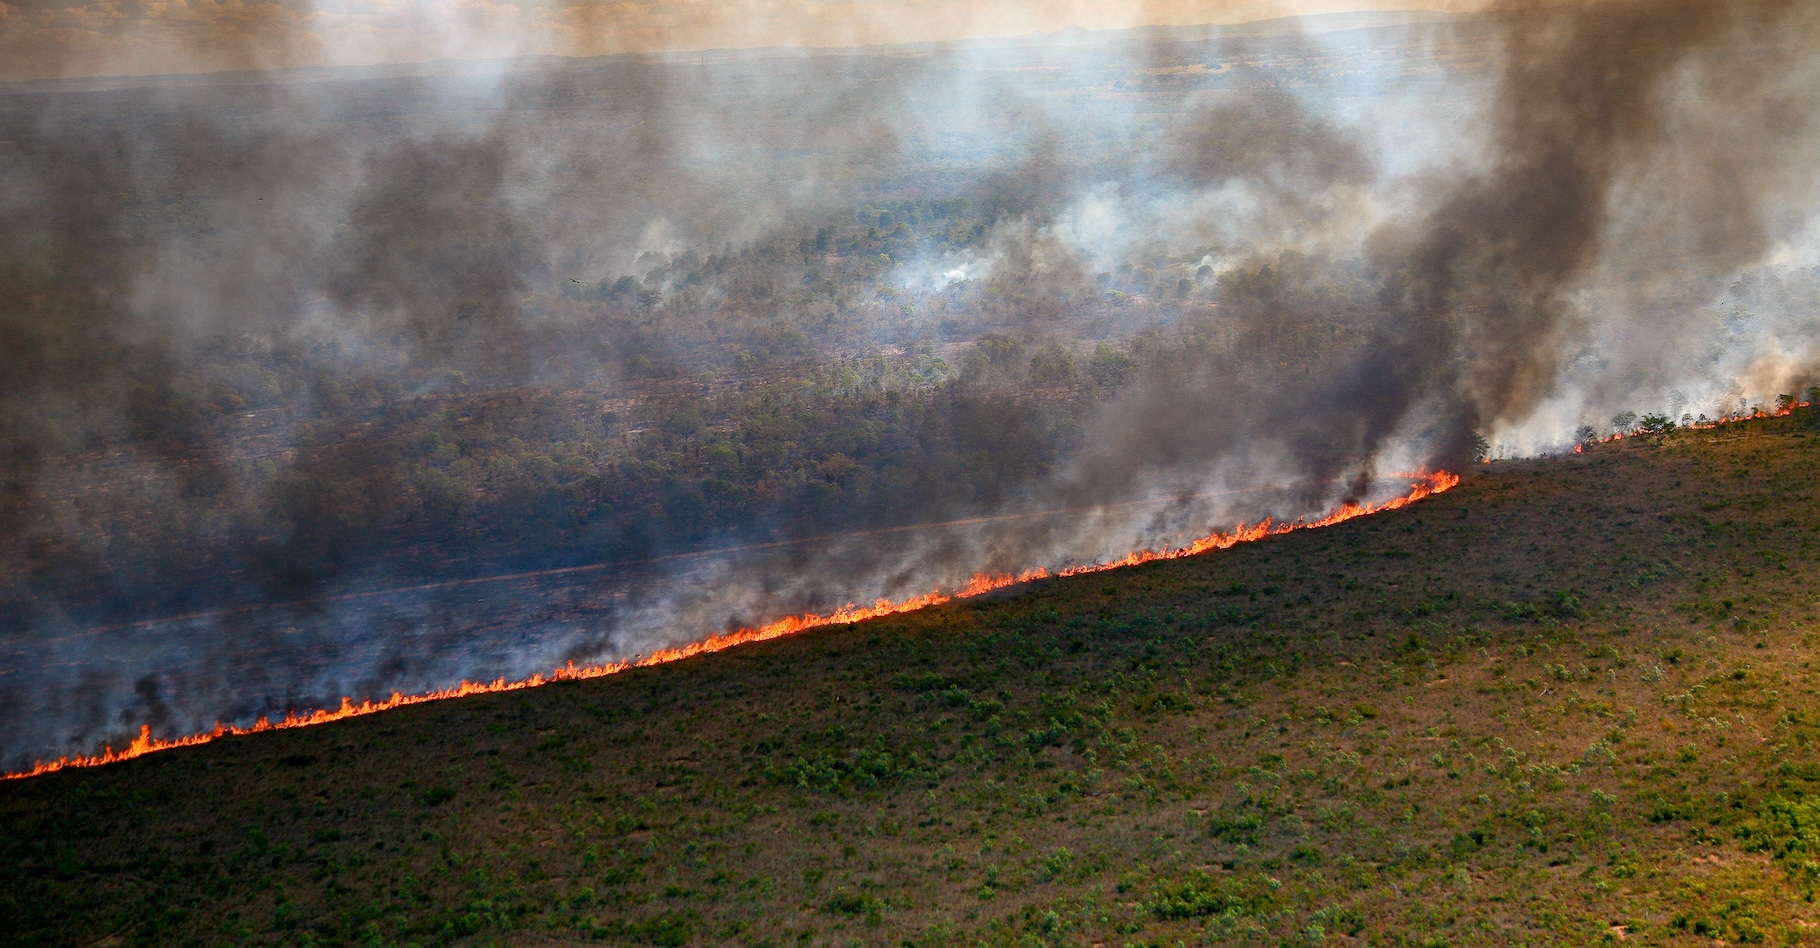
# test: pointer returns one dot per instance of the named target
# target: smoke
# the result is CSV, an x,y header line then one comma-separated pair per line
x,y
1603,136
1601,160
53,38
299,364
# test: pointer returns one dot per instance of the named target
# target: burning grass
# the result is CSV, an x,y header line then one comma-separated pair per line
x,y
1424,485
1568,702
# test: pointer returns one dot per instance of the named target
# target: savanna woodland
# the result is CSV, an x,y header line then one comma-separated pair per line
x,y
322,385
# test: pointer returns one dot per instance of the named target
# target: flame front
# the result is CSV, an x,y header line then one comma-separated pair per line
x,y
1426,484
1781,411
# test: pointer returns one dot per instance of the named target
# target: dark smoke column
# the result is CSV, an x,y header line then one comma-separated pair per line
x,y
1588,103
1598,112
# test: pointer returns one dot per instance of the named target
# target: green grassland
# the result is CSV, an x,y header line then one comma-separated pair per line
x,y
1571,702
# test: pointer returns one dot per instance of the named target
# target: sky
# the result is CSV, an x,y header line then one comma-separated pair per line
x,y
67,38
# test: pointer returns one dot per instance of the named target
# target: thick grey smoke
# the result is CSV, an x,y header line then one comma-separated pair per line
x,y
277,343
1599,120
1599,134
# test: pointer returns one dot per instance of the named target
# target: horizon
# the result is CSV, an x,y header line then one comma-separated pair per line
x,y
42,47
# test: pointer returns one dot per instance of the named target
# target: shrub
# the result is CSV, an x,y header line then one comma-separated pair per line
x,y
1201,896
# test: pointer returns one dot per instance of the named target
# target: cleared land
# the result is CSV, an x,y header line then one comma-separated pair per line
x,y
1571,701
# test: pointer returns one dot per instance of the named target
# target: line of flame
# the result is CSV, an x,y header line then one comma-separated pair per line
x,y
1426,485
1781,412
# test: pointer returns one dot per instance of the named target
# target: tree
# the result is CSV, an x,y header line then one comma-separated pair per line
x,y
1624,422
1586,435
1110,367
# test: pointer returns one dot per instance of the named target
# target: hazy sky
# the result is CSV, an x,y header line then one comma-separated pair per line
x,y
51,38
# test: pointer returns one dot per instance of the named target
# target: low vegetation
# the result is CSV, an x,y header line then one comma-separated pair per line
x,y
1571,702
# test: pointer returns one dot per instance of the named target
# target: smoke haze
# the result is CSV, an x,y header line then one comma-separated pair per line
x,y
61,38
298,364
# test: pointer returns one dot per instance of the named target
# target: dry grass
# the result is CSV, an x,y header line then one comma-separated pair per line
x,y
1570,702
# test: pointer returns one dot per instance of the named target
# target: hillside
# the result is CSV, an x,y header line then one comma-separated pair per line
x,y
1569,702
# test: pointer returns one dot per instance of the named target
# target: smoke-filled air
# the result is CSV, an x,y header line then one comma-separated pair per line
x,y
341,381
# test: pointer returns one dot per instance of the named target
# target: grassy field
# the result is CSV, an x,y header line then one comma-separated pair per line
x,y
1571,702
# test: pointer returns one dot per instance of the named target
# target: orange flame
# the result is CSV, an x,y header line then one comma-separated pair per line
x,y
1426,485
1755,413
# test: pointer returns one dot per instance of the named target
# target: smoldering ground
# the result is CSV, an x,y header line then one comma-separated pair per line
x,y
295,342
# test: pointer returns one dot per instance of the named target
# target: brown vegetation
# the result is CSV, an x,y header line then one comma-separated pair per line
x,y
1569,701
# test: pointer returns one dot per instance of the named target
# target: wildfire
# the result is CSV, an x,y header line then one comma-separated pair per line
x,y
1425,485
1782,410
